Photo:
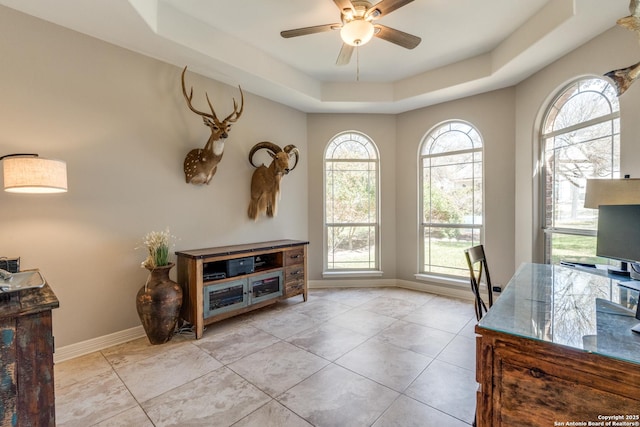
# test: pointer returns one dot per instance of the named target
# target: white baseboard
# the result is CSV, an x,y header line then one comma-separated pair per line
x,y
449,291
351,283
95,344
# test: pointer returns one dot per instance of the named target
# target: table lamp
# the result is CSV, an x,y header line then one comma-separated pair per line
x,y
29,173
624,191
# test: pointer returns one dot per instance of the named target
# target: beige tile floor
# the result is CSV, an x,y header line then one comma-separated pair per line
x,y
348,357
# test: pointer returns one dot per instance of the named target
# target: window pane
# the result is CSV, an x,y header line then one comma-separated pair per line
x,y
573,165
444,249
580,102
351,247
455,191
351,190
574,248
350,146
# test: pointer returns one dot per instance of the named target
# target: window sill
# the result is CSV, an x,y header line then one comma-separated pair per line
x,y
450,281
350,274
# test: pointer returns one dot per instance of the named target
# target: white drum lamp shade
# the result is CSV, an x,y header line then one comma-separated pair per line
x,y
32,174
612,192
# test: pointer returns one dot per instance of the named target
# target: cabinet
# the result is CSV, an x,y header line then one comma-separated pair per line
x,y
556,349
26,358
525,383
221,282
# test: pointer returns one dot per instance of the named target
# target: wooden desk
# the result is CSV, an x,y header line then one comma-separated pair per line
x,y
553,350
26,358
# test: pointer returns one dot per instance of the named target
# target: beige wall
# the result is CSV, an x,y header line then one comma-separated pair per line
x,y
120,122
614,49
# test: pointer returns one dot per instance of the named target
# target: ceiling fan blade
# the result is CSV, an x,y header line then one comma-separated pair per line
x,y
345,54
309,30
385,7
343,4
398,37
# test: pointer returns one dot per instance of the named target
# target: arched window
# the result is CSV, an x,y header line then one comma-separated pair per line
x,y
580,139
351,203
451,208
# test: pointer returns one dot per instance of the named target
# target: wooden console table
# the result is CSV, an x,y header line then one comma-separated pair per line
x,y
557,347
26,357
221,282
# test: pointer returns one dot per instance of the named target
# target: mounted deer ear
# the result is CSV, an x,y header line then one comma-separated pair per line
x,y
201,163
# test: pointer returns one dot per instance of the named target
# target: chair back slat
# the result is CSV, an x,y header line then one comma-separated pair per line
x,y
477,263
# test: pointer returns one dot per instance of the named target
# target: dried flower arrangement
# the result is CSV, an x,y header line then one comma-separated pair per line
x,y
157,244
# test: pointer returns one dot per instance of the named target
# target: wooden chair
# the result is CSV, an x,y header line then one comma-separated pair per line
x,y
476,257
477,262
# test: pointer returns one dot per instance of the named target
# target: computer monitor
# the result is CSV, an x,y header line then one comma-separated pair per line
x,y
619,235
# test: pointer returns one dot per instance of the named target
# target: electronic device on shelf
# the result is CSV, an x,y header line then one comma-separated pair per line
x,y
214,275
12,265
238,266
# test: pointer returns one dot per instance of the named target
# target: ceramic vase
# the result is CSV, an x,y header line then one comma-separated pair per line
x,y
158,304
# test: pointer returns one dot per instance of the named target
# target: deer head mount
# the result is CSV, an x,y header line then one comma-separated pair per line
x,y
265,182
623,78
201,163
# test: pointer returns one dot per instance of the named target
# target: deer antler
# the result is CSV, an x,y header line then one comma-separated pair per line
x,y
189,98
231,118
235,114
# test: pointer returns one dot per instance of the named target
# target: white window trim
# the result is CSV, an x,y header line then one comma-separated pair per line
x,y
435,277
337,273
547,231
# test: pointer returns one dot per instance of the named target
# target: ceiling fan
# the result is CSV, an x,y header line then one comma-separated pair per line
x,y
358,26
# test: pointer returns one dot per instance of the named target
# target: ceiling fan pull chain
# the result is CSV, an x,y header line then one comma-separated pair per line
x,y
357,63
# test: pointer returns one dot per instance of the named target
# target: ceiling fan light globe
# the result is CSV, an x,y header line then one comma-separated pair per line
x,y
357,32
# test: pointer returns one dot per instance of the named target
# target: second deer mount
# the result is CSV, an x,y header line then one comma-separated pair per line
x,y
201,163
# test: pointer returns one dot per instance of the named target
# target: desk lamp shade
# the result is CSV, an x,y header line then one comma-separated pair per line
x,y
32,174
612,192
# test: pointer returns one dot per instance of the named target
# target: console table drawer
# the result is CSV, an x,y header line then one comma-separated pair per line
x,y
294,273
294,288
294,280
293,257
